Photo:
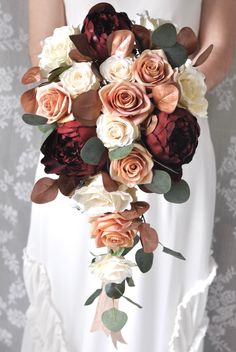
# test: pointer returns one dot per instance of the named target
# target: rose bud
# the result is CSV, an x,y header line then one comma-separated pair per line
x,y
174,139
62,151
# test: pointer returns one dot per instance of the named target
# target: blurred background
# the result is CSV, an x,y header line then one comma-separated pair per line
x,y
19,146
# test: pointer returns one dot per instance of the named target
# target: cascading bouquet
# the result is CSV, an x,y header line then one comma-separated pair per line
x,y
117,104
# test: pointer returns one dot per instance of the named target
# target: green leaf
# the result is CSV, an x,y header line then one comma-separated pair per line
x,y
161,182
34,120
144,260
115,290
120,153
179,192
173,253
92,151
176,55
114,319
54,74
130,281
119,252
93,297
46,135
46,128
130,300
127,250
164,36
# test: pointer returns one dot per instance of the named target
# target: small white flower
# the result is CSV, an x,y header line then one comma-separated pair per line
x,y
79,79
56,49
146,21
115,131
115,69
112,269
193,89
96,200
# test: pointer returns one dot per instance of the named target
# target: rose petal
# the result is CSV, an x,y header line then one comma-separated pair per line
x,y
28,101
109,184
120,43
143,36
102,7
149,238
204,56
45,190
32,75
87,107
188,39
150,124
75,55
166,96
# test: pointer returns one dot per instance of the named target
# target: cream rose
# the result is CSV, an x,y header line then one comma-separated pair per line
x,y
116,69
56,49
54,103
79,79
193,89
96,200
134,169
112,269
115,131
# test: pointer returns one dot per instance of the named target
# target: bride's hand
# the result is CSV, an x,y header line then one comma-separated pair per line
x,y
217,27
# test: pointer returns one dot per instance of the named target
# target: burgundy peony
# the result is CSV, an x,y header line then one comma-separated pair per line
x,y
62,151
101,21
174,139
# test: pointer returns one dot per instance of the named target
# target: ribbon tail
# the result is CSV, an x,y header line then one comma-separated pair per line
x,y
117,337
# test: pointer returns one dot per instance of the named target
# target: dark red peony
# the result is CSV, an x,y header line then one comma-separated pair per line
x,y
174,139
100,22
62,151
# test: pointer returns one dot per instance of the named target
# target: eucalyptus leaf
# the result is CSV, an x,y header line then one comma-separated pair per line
x,y
130,300
130,281
127,250
115,291
144,260
47,127
91,299
179,192
176,55
92,151
114,319
120,153
164,36
173,253
34,120
46,135
54,74
161,182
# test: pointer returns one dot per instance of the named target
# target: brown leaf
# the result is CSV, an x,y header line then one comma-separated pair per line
x,y
149,238
204,56
120,43
143,36
45,190
28,101
109,184
166,97
68,184
75,55
188,39
87,107
140,207
102,7
81,43
144,189
150,124
32,75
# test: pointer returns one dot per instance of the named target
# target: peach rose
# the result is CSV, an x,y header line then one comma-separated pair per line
x,y
134,169
152,68
117,230
54,103
126,99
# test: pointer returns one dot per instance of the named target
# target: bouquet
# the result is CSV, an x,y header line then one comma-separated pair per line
x,y
117,105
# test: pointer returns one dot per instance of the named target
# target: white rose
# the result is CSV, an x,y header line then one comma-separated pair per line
x,y
115,131
79,79
56,49
193,89
112,269
115,69
96,200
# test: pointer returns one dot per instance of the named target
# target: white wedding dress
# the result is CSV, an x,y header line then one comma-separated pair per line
x,y
173,293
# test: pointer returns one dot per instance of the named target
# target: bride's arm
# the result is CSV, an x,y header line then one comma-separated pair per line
x,y
218,27
44,17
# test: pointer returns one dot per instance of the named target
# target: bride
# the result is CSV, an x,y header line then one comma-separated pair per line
x,y
56,257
